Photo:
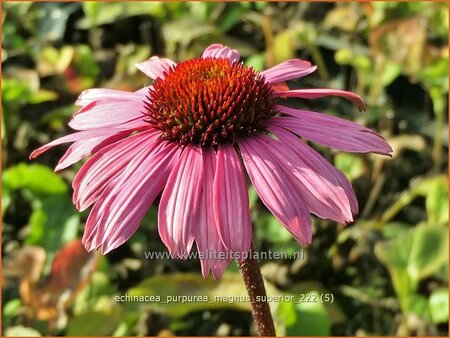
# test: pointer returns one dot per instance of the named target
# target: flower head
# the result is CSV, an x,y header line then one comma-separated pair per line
x,y
190,135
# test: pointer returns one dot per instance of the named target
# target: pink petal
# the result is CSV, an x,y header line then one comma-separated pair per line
x,y
122,205
179,208
230,202
95,175
207,236
156,67
316,93
109,112
221,52
104,94
274,185
288,70
82,135
84,148
332,131
335,184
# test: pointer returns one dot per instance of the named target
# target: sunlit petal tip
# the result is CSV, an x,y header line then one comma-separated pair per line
x,y
221,51
288,70
155,67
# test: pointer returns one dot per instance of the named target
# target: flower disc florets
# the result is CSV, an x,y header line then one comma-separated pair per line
x,y
209,101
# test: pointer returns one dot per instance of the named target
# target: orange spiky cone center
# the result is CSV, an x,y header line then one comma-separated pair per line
x,y
209,101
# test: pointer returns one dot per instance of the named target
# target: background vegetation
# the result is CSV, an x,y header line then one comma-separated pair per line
x,y
388,272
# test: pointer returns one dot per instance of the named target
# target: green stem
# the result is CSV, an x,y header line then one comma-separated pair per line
x,y
251,273
376,88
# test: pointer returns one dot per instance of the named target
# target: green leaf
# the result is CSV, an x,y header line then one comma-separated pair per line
x,y
101,13
394,255
184,31
51,61
438,303
10,310
436,74
15,92
351,165
437,201
419,187
55,223
287,314
256,61
416,254
335,314
36,178
283,46
199,10
100,320
231,16
270,229
428,252
392,230
99,286
85,62
43,95
21,331
344,56
91,10
442,273
419,305
390,72
311,317
227,293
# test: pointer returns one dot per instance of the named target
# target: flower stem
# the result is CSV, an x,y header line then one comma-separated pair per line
x,y
251,273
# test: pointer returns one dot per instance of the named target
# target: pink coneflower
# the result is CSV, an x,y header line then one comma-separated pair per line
x,y
190,135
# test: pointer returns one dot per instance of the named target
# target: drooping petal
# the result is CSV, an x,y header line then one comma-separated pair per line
x,y
325,168
84,148
179,207
332,131
288,70
207,236
335,181
78,136
274,186
156,67
221,51
316,93
122,205
95,175
230,201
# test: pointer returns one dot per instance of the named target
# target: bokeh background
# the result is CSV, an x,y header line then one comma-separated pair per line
x,y
387,272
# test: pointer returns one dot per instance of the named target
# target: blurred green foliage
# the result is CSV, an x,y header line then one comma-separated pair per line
x,y
387,272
